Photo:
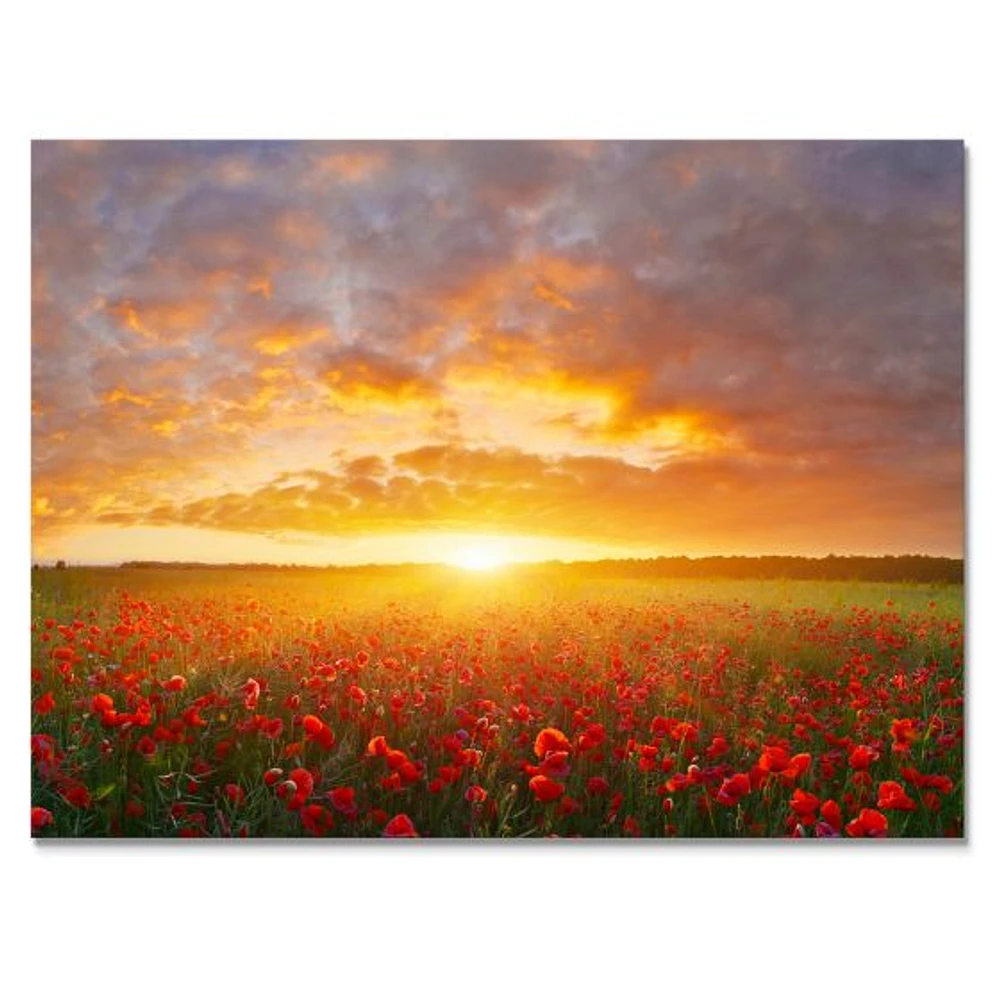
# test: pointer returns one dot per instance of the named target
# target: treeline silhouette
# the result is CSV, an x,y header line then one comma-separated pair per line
x,y
897,569
906,568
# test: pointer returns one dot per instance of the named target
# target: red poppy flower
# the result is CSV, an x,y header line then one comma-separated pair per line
x,y
251,694
545,789
862,757
892,795
343,800
777,760
733,789
40,818
302,778
192,718
272,728
804,804
555,765
312,725
410,772
903,732
475,793
830,811
597,786
774,758
318,731
593,736
567,806
939,782
684,731
101,703
316,819
297,788
551,741
43,748
44,704
869,823
76,794
400,826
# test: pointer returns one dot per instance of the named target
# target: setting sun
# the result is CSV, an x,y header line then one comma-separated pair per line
x,y
479,557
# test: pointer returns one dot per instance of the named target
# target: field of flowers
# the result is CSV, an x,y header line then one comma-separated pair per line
x,y
440,703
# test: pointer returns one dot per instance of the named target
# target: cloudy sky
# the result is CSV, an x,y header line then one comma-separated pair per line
x,y
325,352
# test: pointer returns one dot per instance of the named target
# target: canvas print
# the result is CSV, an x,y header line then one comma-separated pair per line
x,y
481,489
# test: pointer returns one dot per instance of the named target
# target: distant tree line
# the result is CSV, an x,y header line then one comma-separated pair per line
x,y
906,568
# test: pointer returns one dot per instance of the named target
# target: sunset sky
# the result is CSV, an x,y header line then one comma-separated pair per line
x,y
382,352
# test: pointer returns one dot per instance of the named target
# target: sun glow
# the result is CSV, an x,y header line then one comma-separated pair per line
x,y
479,557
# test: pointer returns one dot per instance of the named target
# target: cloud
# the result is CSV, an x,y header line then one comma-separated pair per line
x,y
775,327
355,374
712,504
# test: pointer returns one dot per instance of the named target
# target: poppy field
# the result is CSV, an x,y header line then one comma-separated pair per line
x,y
434,702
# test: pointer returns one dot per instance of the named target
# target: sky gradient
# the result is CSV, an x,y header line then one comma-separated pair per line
x,y
354,352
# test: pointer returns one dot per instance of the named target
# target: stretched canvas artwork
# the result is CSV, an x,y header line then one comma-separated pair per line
x,y
484,489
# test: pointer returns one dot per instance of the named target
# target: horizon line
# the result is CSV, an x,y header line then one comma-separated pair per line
x,y
444,564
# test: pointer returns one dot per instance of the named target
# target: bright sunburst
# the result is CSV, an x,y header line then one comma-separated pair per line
x,y
479,557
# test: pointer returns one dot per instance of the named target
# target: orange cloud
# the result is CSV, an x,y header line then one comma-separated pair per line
x,y
236,171
260,286
284,339
299,229
352,167
129,315
547,294
357,376
703,506
166,321
121,395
